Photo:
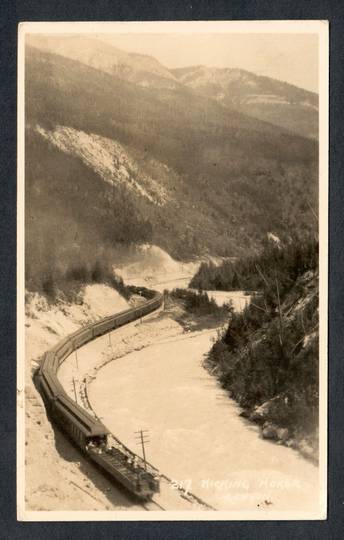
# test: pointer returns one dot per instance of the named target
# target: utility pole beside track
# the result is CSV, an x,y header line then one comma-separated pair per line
x,y
142,439
76,399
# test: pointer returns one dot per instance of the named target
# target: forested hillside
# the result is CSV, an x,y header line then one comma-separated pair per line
x,y
286,261
110,161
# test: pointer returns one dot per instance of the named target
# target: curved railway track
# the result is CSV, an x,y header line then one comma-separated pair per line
x,y
149,506
89,434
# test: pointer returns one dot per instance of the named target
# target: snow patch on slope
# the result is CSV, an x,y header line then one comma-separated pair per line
x,y
153,267
108,158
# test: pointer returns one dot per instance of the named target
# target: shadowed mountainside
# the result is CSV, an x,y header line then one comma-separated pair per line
x,y
110,162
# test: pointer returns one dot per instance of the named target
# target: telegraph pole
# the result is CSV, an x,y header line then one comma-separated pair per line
x,y
142,439
76,355
76,399
140,293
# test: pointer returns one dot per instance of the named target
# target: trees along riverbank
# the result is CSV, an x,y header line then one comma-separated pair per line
x,y
267,357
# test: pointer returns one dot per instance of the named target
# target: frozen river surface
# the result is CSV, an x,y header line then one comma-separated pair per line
x,y
196,434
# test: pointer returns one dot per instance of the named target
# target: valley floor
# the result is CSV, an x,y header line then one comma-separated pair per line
x,y
149,375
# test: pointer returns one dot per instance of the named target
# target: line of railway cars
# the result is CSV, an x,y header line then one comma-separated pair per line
x,y
87,432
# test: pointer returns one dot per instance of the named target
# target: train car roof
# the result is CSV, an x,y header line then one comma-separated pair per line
x,y
60,344
48,360
91,426
54,383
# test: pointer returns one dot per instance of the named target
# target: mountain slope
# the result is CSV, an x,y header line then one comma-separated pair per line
x,y
140,69
122,163
264,98
61,91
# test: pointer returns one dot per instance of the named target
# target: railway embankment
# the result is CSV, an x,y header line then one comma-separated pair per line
x,y
67,480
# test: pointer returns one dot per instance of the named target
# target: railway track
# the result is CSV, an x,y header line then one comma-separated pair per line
x,y
151,506
77,421
186,495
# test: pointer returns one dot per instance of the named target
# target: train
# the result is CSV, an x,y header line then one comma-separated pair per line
x,y
87,432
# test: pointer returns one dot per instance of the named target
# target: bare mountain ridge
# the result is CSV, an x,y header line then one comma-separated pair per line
x,y
268,99
75,84
244,81
140,69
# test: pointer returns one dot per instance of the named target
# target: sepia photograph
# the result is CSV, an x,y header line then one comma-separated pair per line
x,y
172,271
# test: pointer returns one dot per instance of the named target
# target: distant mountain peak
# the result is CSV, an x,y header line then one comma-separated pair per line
x,y
138,68
257,96
267,99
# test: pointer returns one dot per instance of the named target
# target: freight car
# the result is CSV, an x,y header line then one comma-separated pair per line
x,y
87,432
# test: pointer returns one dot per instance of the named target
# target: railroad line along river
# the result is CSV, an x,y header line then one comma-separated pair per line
x,y
196,434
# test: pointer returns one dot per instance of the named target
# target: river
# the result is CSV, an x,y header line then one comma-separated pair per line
x,y
196,435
